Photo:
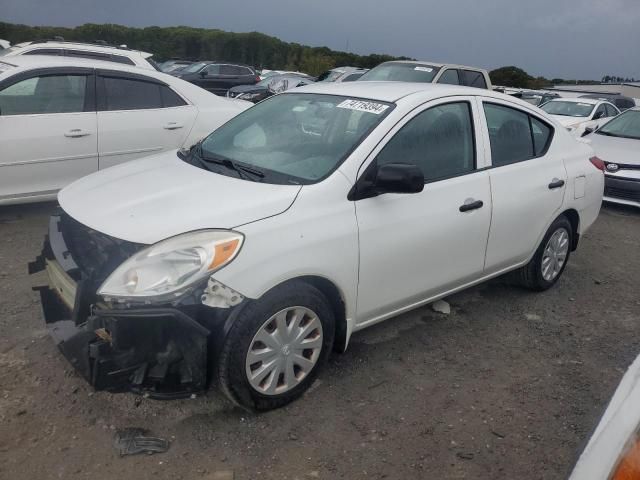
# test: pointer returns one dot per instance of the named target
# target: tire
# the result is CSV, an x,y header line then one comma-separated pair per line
x,y
532,275
305,308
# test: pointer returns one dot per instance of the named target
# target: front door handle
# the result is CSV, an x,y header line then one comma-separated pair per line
x,y
173,126
556,183
471,205
77,132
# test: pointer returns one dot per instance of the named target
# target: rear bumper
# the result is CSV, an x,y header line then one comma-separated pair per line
x,y
161,351
622,191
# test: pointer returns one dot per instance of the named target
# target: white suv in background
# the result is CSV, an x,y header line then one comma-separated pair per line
x,y
108,53
63,118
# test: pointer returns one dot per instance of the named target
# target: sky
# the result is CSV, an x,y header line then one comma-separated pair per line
x,y
584,39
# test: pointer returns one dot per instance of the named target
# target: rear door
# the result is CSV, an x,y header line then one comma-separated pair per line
x,y
139,116
527,182
48,131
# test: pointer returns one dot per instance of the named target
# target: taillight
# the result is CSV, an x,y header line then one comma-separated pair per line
x,y
629,466
598,163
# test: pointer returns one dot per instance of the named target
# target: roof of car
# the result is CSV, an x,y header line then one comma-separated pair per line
x,y
434,64
98,47
28,62
393,91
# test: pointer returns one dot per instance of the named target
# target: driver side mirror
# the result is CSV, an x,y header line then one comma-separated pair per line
x,y
587,131
389,178
203,73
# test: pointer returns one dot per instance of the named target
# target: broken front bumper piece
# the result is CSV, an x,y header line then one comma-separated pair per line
x,y
159,351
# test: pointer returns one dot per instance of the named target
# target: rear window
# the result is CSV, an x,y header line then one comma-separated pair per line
x,y
401,72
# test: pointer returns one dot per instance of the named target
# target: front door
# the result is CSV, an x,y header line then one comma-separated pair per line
x,y
48,134
413,247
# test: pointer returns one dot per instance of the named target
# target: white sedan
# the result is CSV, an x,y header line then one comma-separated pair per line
x,y
580,115
618,144
317,213
63,118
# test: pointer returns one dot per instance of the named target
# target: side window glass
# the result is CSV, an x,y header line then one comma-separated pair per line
x,y
611,112
450,77
213,70
474,79
541,136
46,94
125,94
440,141
84,54
228,70
171,98
44,51
600,112
509,133
122,59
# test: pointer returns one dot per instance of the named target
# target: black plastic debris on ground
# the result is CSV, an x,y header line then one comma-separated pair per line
x,y
132,441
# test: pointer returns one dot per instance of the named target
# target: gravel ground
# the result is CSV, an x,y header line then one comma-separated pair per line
x,y
509,385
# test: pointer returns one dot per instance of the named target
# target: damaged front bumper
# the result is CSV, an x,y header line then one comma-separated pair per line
x,y
161,351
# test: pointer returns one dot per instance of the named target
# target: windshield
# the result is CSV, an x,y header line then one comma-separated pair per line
x,y
568,109
401,72
330,76
196,67
625,125
296,138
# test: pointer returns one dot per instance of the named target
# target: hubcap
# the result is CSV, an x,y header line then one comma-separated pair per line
x,y
555,254
284,350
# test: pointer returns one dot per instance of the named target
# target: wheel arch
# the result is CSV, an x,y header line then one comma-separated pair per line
x,y
574,219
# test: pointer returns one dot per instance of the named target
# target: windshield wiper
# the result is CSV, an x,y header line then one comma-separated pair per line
x,y
242,170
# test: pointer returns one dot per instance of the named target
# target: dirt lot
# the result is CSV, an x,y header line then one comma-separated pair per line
x,y
509,385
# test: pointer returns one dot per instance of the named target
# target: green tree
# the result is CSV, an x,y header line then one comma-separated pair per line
x,y
511,77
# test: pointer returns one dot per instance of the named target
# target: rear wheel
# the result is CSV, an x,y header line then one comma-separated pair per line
x,y
276,347
551,257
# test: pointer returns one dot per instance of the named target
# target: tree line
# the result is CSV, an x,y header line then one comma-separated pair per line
x,y
517,78
255,49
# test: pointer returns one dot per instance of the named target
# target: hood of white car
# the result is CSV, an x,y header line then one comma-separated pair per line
x,y
160,196
569,121
616,149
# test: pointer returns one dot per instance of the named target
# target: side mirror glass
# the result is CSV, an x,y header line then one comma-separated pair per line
x,y
203,73
588,130
398,178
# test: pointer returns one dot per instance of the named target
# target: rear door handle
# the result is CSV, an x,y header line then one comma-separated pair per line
x,y
471,205
77,132
173,126
556,183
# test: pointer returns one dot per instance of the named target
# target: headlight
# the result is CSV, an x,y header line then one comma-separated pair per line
x,y
248,96
170,268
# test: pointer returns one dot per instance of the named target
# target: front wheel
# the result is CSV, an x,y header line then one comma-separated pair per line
x,y
276,347
551,257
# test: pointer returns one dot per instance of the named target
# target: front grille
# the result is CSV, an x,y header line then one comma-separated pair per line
x,y
96,254
622,193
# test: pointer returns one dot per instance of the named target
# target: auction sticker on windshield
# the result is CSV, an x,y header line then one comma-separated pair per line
x,y
364,106
424,69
